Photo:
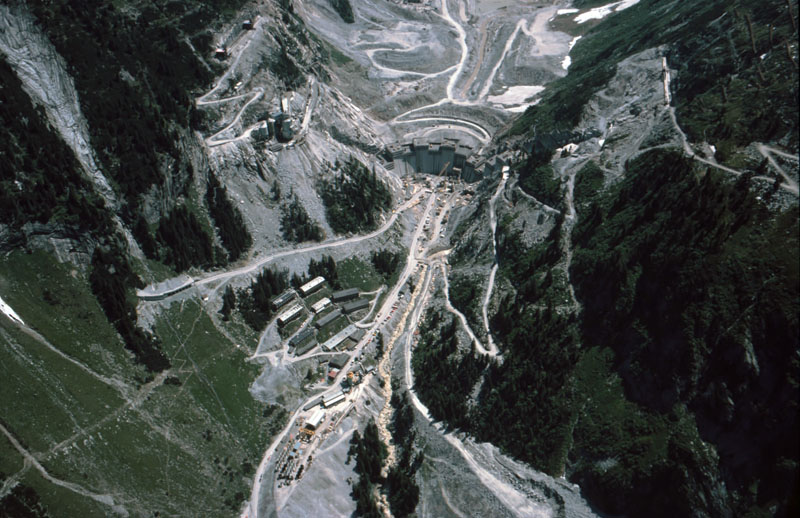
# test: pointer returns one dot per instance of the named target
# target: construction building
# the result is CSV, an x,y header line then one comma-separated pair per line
x,y
301,337
353,378
164,289
283,127
290,315
343,295
315,420
355,305
261,132
339,361
301,349
311,286
332,399
314,402
353,339
320,305
334,341
327,319
358,334
281,300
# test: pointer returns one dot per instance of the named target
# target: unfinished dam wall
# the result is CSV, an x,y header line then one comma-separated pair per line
x,y
443,157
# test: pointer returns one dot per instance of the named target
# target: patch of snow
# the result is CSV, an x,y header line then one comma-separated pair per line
x,y
569,148
515,95
10,313
519,109
625,4
567,11
598,13
567,61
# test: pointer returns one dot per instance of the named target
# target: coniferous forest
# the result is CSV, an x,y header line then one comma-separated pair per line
x,y
40,179
370,454
688,287
254,301
354,198
296,225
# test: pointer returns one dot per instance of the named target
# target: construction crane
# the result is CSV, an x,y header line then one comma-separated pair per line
x,y
446,165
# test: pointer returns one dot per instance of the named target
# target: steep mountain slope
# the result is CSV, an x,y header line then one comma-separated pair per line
x,y
109,408
651,336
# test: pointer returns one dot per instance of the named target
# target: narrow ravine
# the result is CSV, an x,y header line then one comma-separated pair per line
x,y
495,265
385,373
503,484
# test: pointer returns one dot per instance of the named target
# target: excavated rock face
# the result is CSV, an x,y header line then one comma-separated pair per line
x,y
45,78
179,178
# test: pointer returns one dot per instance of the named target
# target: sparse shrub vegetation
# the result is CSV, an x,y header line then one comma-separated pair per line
x,y
650,252
400,482
111,278
228,303
134,83
442,376
588,182
370,454
283,66
539,181
325,267
465,296
40,179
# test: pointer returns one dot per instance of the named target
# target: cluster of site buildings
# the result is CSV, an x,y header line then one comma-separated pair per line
x,y
277,125
326,311
246,22
296,456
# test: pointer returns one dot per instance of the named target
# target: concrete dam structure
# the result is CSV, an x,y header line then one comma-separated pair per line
x,y
446,156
